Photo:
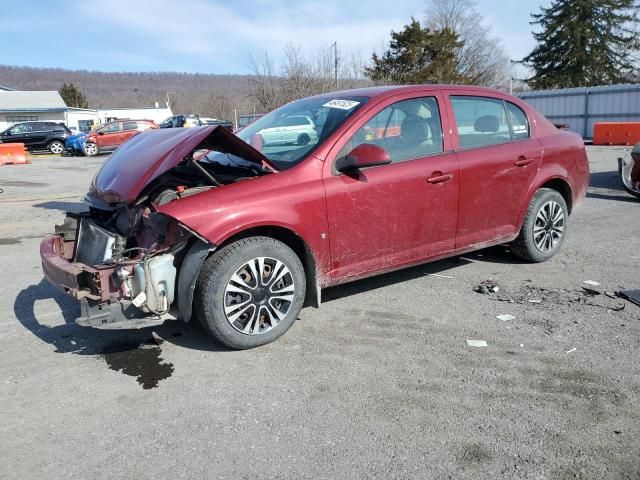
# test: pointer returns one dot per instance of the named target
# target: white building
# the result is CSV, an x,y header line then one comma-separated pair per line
x,y
24,106
151,113
16,106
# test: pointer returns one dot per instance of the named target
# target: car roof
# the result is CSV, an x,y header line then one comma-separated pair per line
x,y
387,91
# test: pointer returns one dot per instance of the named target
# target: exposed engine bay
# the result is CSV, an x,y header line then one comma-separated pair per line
x,y
126,257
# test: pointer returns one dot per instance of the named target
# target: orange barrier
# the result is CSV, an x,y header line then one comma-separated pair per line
x,y
13,154
616,133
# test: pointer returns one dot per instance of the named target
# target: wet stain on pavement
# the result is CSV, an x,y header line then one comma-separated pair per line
x,y
18,183
138,359
9,241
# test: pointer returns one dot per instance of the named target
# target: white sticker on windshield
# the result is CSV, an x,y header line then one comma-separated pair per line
x,y
341,104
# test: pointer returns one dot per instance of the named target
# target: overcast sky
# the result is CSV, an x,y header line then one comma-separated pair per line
x,y
213,36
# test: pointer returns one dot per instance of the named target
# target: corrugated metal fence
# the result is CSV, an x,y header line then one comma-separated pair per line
x,y
580,108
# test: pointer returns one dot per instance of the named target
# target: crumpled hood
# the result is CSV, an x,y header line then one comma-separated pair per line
x,y
151,153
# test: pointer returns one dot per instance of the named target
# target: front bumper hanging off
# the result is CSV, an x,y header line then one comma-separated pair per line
x,y
99,296
93,287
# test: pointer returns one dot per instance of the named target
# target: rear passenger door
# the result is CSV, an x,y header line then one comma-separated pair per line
x,y
129,129
498,161
39,134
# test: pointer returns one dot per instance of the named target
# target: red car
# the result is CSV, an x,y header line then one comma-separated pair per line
x,y
111,135
201,222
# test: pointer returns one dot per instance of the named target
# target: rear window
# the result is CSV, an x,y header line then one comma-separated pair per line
x,y
519,121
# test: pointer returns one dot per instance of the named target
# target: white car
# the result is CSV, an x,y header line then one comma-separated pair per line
x,y
296,129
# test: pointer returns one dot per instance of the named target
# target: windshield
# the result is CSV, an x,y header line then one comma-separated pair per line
x,y
289,134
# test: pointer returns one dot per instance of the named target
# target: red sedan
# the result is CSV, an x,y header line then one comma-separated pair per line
x,y
241,233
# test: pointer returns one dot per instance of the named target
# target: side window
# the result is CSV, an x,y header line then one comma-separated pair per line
x,y
128,126
481,121
519,122
39,127
406,130
111,128
20,129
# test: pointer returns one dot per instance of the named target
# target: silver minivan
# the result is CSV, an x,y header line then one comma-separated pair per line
x,y
296,129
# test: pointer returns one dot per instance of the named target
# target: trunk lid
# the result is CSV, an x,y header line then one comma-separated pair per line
x,y
151,153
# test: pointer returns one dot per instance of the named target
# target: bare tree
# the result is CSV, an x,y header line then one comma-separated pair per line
x,y
265,86
301,75
481,57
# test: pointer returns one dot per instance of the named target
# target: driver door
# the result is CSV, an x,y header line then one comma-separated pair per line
x,y
19,134
386,216
109,135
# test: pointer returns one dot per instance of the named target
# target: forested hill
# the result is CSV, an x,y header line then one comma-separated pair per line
x,y
204,94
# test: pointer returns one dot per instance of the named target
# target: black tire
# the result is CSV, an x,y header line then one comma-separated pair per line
x,y
525,245
303,139
210,296
56,147
90,149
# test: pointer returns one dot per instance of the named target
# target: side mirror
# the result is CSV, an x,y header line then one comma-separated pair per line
x,y
364,155
100,133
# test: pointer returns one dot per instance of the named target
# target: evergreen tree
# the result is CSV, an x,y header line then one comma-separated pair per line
x,y
418,55
584,43
72,96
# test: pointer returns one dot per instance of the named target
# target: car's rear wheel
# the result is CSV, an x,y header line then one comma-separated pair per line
x,y
303,139
56,147
90,149
544,228
250,292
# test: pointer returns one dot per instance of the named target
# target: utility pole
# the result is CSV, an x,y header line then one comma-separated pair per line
x,y
511,64
335,62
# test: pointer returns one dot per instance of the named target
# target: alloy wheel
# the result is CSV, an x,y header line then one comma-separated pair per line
x,y
56,148
548,228
90,149
259,295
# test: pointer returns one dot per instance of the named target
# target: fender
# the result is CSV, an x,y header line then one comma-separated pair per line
x,y
545,175
188,275
557,164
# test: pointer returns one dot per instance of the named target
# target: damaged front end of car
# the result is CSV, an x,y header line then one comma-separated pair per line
x,y
128,264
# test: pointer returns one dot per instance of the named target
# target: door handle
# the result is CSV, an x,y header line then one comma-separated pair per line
x,y
523,161
439,177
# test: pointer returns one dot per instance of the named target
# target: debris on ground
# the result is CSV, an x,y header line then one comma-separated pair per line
x,y
572,350
591,292
476,343
551,298
438,275
593,283
506,317
486,287
632,295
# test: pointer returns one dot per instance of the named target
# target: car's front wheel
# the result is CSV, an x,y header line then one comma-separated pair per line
x,y
544,228
56,147
90,149
250,292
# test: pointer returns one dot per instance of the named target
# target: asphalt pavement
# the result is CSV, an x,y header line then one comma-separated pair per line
x,y
378,383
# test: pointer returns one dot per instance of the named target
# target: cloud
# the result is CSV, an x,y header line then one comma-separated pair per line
x,y
216,32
